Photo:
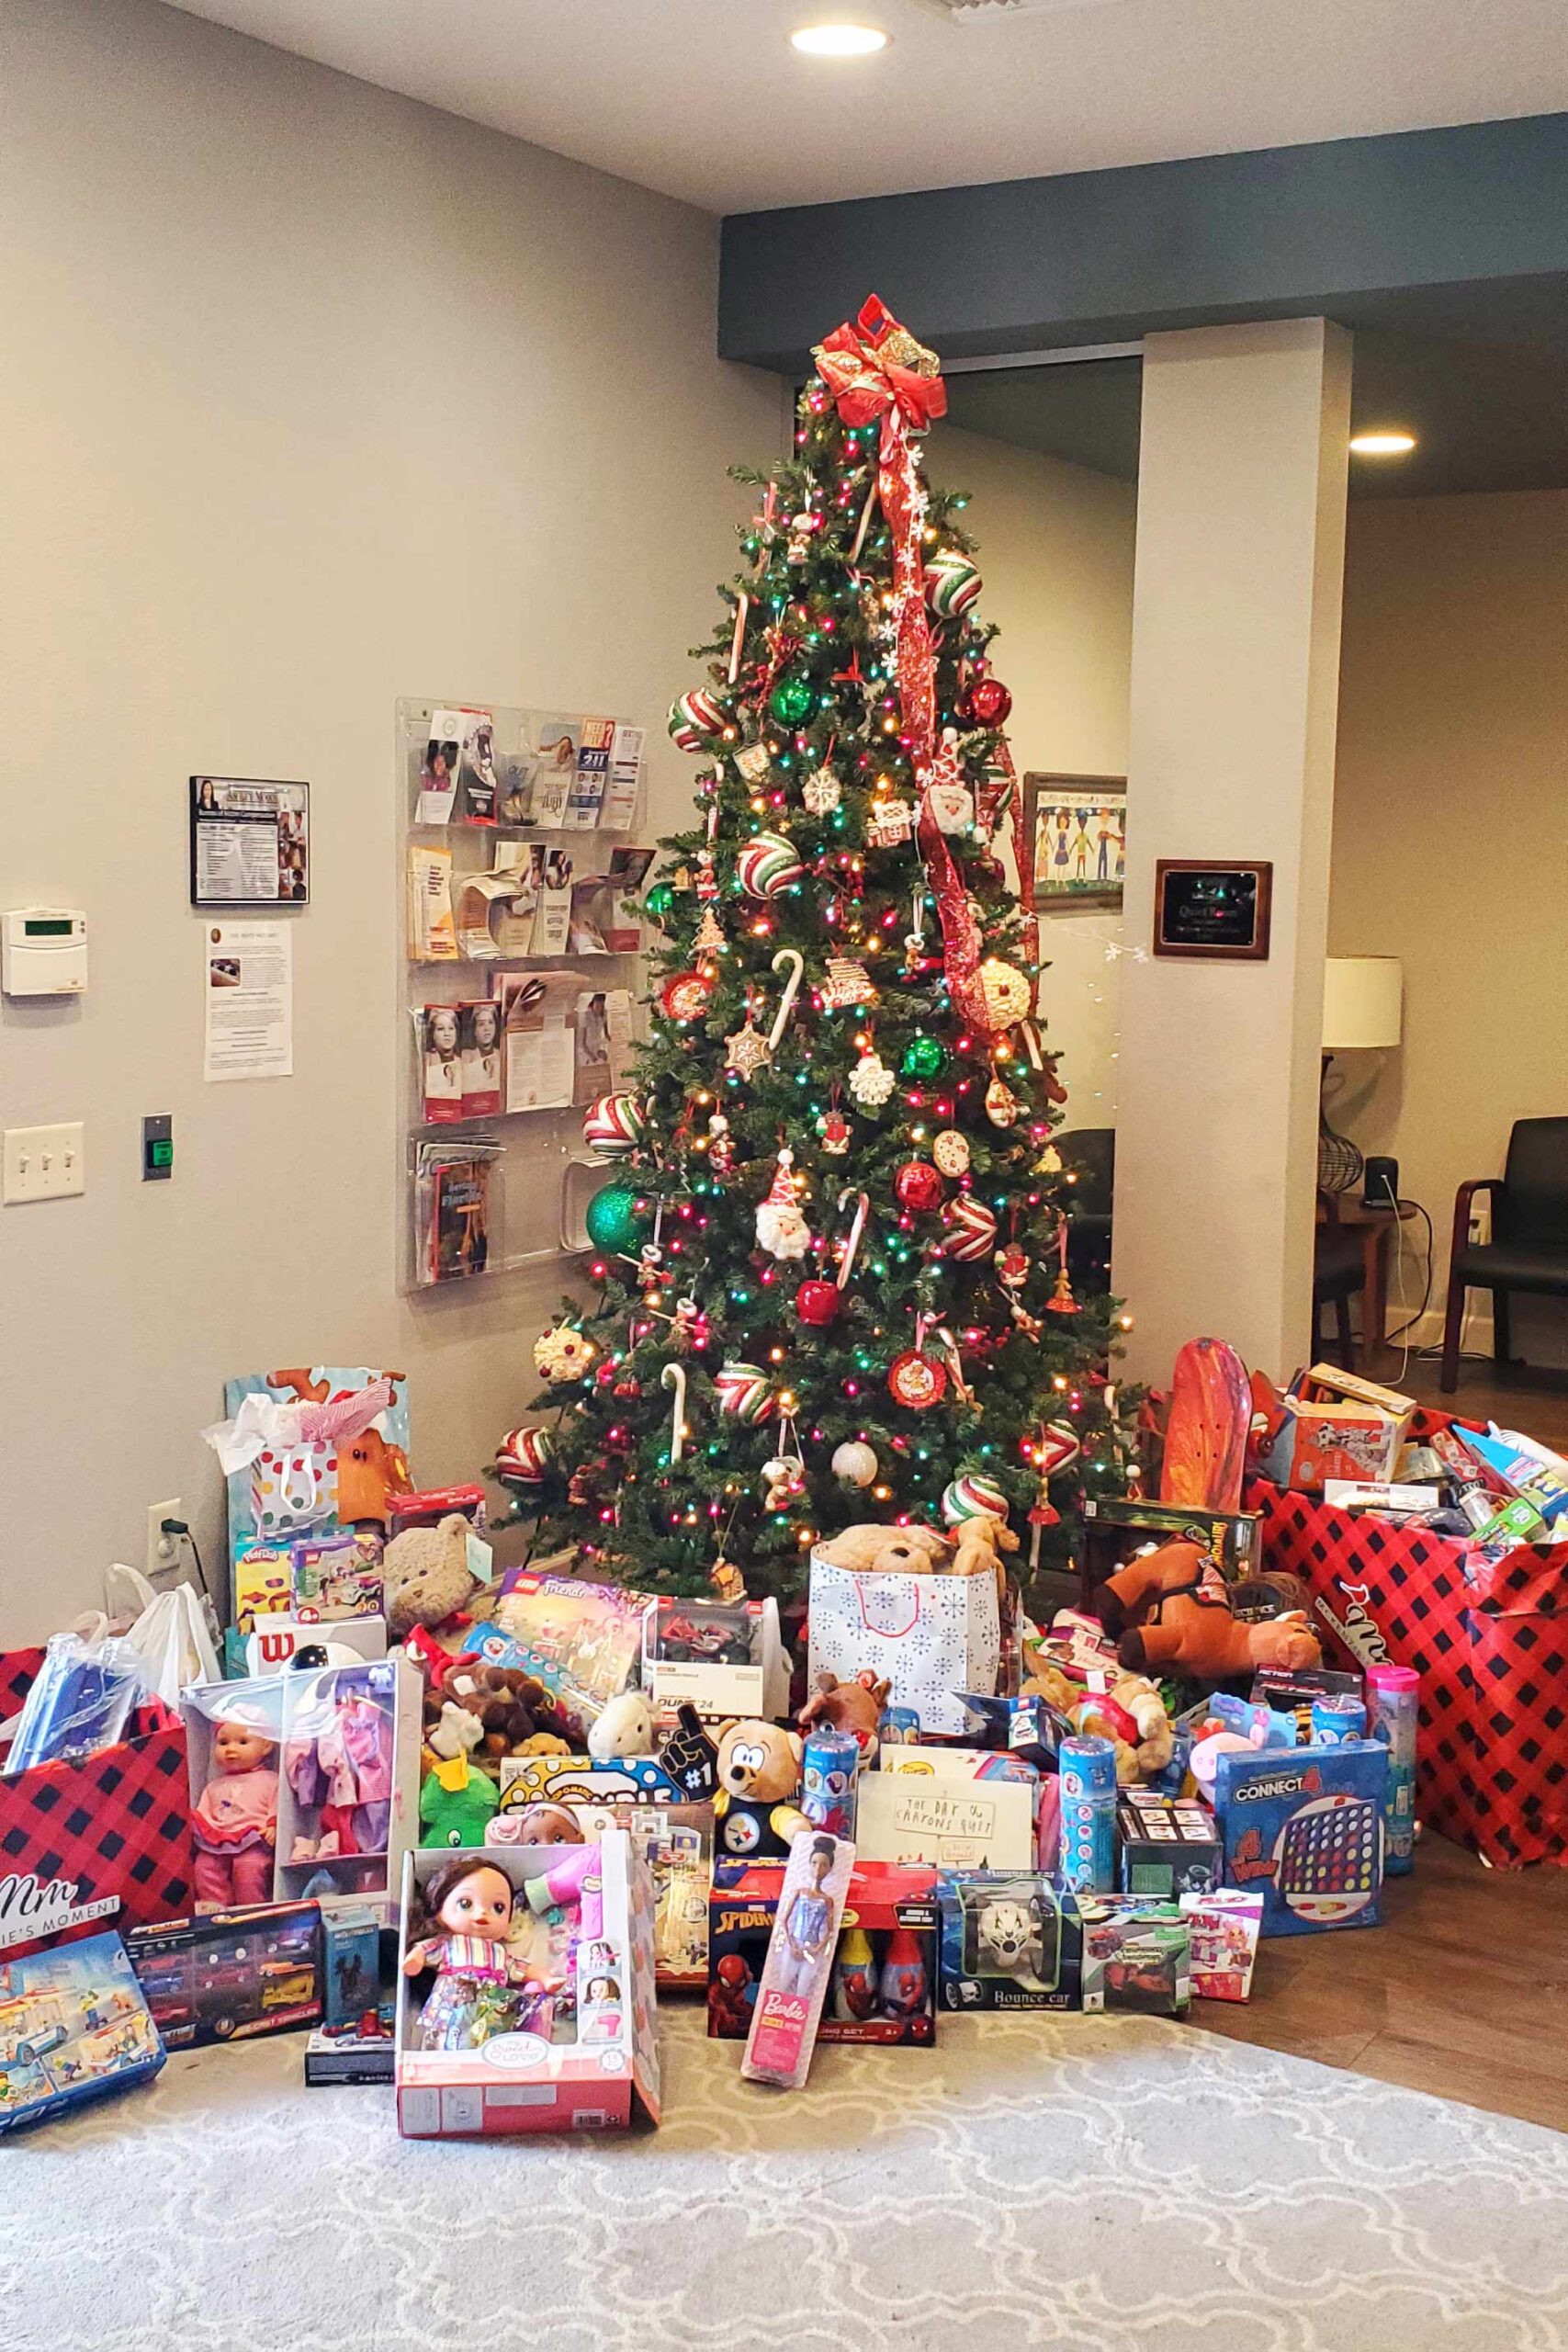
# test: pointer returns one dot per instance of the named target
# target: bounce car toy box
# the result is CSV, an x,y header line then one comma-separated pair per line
x,y
73,2026
884,1969
228,1976
552,2028
1009,1941
1304,1827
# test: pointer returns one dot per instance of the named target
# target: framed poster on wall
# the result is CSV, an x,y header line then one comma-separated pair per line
x,y
250,841
1204,908
1077,825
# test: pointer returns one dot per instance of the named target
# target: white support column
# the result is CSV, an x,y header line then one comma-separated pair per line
x,y
1235,687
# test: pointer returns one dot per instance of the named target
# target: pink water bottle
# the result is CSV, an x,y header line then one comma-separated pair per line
x,y
1394,1701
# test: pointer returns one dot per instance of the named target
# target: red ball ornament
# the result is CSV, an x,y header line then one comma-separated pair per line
x,y
817,1301
986,702
918,1186
684,996
916,1380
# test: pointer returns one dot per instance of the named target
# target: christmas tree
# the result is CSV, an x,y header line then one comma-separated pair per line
x,y
831,1265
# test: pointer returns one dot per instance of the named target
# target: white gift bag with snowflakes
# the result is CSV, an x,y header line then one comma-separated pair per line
x,y
928,1635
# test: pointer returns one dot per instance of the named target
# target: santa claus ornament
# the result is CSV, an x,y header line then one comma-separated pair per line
x,y
782,1229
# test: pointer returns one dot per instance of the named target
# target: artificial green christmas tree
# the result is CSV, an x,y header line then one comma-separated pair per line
x,y
831,1270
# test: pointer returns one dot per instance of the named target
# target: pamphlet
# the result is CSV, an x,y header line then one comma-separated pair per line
x,y
599,926
481,788
538,1057
438,769
250,842
431,935
248,975
452,1204
624,780
587,795
560,740
481,1033
439,1030
482,899
603,1048
552,919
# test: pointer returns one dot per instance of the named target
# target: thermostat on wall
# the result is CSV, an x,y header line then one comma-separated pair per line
x,y
44,951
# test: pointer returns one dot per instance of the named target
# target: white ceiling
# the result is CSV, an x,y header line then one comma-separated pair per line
x,y
705,99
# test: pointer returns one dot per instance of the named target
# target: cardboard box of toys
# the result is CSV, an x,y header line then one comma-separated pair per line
x,y
1009,1941
676,1843
725,1658
1114,1527
304,1785
1224,1926
525,1999
954,1809
231,1976
1304,1827
1136,1954
884,1968
73,2027
360,2052
1168,1845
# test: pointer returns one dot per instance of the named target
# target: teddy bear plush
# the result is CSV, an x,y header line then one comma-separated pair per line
x,y
870,1549
426,1575
1131,1714
979,1546
855,1707
759,1772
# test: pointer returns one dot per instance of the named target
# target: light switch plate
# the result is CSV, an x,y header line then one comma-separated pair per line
x,y
43,1164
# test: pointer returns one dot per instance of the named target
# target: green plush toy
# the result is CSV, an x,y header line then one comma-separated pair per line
x,y
456,1805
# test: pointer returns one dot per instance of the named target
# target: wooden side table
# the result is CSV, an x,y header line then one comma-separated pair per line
x,y
1376,1225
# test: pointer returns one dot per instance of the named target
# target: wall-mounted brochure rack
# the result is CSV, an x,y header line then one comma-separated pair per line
x,y
519,999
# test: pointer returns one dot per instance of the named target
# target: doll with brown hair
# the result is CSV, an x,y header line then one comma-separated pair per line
x,y
469,1900
234,1820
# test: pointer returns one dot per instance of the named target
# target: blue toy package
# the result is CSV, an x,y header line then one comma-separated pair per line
x,y
1305,1831
73,2027
81,1699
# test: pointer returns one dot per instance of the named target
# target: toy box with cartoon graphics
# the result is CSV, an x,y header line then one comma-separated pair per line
x,y
1137,1954
582,1641
1009,1941
1118,1525
725,1658
676,1842
584,1780
1168,1845
583,2058
1224,1926
1304,1828
73,2027
883,1984
230,1976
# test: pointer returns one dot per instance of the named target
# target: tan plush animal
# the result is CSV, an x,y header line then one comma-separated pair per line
x,y
980,1545
855,1707
1131,1714
427,1575
869,1549
759,1773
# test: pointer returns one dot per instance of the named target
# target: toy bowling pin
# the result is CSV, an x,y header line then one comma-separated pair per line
x,y
855,1978
903,1985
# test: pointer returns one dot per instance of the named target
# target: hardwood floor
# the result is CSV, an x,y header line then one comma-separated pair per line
x,y
1462,1992
1521,1397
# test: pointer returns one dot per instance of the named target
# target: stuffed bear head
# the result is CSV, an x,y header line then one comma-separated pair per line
x,y
758,1760
872,1550
426,1575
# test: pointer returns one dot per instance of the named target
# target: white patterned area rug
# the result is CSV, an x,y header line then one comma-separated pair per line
x,y
1104,2185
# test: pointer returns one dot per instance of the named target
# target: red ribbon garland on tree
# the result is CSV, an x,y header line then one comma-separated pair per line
x,y
874,367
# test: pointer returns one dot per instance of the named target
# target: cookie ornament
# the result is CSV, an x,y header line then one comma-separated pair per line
x,y
563,1352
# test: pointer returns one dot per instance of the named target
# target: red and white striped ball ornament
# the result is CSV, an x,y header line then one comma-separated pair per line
x,y
522,1456
744,1391
694,720
972,1229
612,1126
973,1497
768,865
952,585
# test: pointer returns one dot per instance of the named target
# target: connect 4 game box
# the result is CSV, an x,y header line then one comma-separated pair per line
x,y
1304,1828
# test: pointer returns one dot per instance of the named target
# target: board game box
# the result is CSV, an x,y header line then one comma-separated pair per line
x,y
1304,1828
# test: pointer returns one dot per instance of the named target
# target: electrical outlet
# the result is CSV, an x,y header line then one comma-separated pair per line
x,y
43,1163
162,1551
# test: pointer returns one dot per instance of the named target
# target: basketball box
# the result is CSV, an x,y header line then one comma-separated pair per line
x,y
1304,1828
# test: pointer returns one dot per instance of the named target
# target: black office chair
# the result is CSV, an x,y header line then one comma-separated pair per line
x,y
1089,1155
1528,1248
1338,1273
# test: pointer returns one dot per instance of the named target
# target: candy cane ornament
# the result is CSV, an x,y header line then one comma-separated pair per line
x,y
674,1376
793,957
862,1209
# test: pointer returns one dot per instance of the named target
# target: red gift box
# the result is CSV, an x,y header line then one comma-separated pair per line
x,y
1491,1648
102,1843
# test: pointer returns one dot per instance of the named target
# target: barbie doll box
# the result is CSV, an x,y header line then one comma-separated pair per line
x,y
525,1990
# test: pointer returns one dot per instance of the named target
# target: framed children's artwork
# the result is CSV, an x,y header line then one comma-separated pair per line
x,y
1078,826
1205,909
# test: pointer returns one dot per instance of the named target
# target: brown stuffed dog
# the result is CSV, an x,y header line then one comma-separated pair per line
x,y
1172,1614
512,1708
855,1707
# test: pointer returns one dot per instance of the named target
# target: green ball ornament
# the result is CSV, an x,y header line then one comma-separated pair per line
x,y
612,1218
658,902
792,700
924,1058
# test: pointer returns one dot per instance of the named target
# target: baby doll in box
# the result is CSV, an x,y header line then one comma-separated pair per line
x,y
234,1820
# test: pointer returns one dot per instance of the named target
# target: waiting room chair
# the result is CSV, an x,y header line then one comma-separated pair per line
x,y
1339,1274
1088,1154
1528,1248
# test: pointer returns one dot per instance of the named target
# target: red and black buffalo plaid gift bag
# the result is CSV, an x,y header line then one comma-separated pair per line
x,y
1489,1641
103,1843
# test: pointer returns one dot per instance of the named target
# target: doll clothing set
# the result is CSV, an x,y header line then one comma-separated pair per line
x,y
345,1776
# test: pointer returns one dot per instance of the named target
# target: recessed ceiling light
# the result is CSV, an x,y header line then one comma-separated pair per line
x,y
1381,445
838,41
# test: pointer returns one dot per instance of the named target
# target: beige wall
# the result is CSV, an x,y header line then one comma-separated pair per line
x,y
1057,557
1448,841
309,397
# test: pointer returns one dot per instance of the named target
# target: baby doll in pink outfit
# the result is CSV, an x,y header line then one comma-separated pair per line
x,y
234,1826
